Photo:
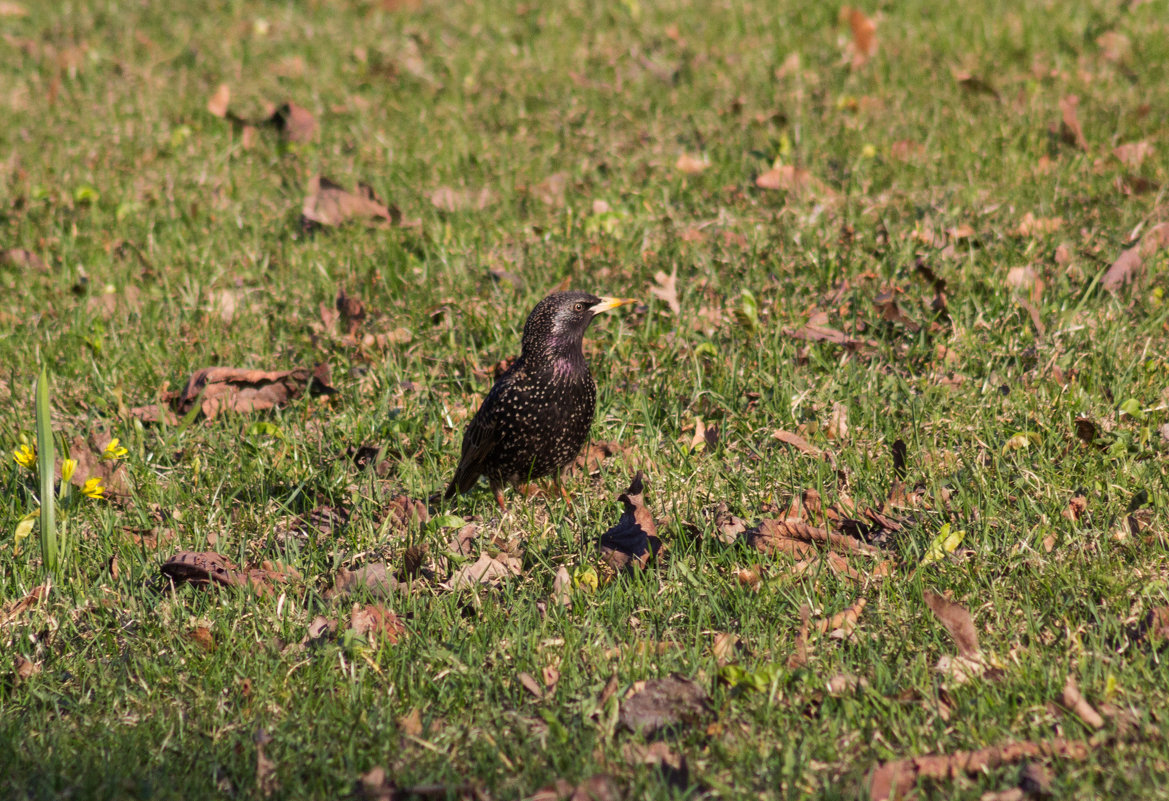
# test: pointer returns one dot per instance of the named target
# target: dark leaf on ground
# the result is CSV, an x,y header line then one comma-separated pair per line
x,y
210,569
657,704
957,621
1131,264
633,540
232,389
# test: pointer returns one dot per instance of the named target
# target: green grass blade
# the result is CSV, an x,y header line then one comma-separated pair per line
x,y
45,460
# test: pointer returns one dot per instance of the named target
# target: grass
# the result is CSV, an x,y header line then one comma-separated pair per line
x,y
170,245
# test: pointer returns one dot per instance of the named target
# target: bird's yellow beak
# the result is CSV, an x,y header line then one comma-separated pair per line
x,y
610,303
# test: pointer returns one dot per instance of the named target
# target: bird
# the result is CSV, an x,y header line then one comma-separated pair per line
x,y
537,415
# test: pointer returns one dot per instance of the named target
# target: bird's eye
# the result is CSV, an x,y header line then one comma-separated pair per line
x,y
578,306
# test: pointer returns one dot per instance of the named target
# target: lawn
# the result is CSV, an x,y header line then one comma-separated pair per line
x,y
896,387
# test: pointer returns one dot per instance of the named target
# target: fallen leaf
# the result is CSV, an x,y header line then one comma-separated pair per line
x,y
691,165
218,102
376,578
630,543
552,189
327,203
796,181
898,778
1070,130
864,35
375,621
841,625
10,9
22,259
666,289
447,199
24,669
958,623
202,637
837,428
672,765
798,658
486,570
232,389
530,684
1076,702
265,767
1133,154
296,124
657,704
906,150
562,587
975,84
1131,263
1114,46
210,569
1031,225
797,442
723,647
595,453
1075,508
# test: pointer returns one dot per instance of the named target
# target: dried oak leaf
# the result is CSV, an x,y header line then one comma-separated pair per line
x,y
218,102
817,330
219,389
656,704
898,778
327,203
1131,263
665,289
630,543
375,621
594,454
1133,154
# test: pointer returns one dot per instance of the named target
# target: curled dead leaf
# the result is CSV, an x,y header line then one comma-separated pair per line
x,y
232,389
691,165
1070,130
657,704
1076,702
328,204
1131,263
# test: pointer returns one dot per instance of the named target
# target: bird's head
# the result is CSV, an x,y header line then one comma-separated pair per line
x,y
558,323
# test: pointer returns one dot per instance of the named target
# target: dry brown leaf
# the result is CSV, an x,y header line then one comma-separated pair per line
x,y
1131,263
630,543
1133,154
1070,130
724,646
266,782
837,428
410,724
327,203
1031,225
448,199
374,621
691,165
232,389
376,578
798,658
796,181
817,330
864,35
1075,508
486,570
797,442
202,637
958,623
657,704
210,569
217,104
666,289
24,669
552,189
841,625
1076,702
530,684
14,609
10,9
906,150
898,778
562,587
22,259
1114,46
296,124
594,454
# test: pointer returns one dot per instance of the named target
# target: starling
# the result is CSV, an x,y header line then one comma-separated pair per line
x,y
538,415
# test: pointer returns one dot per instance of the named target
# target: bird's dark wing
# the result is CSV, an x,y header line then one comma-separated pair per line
x,y
478,442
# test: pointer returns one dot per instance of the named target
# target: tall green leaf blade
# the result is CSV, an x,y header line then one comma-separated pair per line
x,y
45,459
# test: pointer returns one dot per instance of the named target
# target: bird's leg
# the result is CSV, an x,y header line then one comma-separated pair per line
x,y
497,491
560,488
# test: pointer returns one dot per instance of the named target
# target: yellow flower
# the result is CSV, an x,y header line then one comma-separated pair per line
x,y
67,468
25,456
93,488
113,450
